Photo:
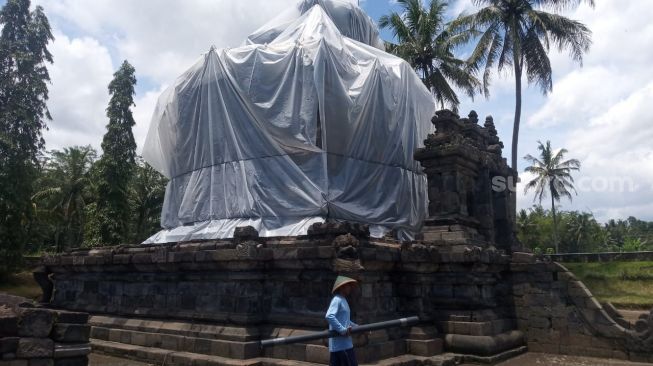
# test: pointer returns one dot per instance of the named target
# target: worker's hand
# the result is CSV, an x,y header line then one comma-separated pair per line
x,y
349,330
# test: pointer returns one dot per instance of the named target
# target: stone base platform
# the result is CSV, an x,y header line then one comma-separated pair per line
x,y
159,356
241,343
220,298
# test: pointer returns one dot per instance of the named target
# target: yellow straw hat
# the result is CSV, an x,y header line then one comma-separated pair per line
x,y
341,281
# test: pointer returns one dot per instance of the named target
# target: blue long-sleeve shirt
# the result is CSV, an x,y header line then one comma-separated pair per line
x,y
339,320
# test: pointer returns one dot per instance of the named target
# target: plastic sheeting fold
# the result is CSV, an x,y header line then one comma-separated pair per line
x,y
308,125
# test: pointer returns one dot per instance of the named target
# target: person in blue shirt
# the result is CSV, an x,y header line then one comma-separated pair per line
x,y
339,318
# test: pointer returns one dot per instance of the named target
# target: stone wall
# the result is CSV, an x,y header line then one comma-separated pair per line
x,y
558,314
602,257
266,287
36,336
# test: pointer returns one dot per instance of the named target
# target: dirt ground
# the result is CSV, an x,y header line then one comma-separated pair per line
x,y
102,360
528,359
541,359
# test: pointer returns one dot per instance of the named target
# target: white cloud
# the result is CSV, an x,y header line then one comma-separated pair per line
x,y
161,38
78,94
605,108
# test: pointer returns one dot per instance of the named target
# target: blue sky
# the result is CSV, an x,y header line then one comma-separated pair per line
x,y
600,112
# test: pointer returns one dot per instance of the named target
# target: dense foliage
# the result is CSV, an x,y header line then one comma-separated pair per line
x,y
23,115
579,232
66,202
117,165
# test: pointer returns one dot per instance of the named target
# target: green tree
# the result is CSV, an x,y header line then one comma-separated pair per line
x,y
425,42
23,115
117,165
148,191
517,34
581,232
552,175
64,192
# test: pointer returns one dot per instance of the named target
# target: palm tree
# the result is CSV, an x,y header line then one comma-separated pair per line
x,y
63,190
517,34
552,174
582,228
147,193
425,43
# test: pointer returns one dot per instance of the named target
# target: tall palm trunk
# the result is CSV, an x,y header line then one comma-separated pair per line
x,y
515,126
555,221
515,129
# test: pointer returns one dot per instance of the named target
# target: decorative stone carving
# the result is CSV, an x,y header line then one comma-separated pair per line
x,y
347,256
335,228
245,233
346,246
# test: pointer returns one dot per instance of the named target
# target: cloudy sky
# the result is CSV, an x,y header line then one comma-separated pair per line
x,y
602,113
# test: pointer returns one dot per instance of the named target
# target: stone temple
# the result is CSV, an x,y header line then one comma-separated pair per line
x,y
307,153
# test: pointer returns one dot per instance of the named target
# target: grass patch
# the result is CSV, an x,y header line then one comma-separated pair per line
x,y
21,284
625,284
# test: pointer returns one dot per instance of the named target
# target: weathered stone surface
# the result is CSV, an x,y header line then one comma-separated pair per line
x,y
8,344
14,363
77,361
427,348
35,322
317,354
8,321
245,233
71,333
520,257
71,317
64,351
41,362
35,348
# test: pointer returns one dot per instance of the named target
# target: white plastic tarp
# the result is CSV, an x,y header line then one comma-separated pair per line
x,y
279,135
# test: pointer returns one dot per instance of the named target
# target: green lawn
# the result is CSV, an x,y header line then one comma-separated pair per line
x,y
625,284
21,284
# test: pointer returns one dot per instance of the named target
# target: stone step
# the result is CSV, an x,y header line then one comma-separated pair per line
x,y
478,328
240,343
160,356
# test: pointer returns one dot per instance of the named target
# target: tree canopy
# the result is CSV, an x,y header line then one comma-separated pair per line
x,y
117,164
425,41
